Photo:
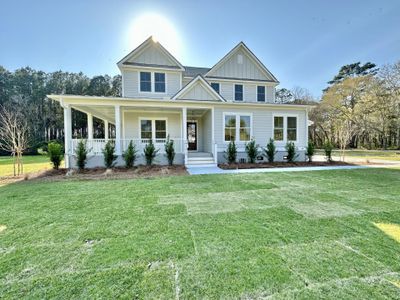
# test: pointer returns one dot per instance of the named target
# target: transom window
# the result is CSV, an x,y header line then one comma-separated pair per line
x,y
159,82
153,129
145,81
285,128
215,86
237,127
261,93
238,92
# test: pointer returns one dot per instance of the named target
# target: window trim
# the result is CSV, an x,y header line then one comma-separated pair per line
x,y
153,82
140,81
237,129
265,93
153,126
285,128
234,92
219,87
165,82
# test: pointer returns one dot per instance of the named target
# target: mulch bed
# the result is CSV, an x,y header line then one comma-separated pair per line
x,y
282,165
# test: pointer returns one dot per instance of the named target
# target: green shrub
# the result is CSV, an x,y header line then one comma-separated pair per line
x,y
291,152
169,151
310,151
55,153
150,152
328,147
252,151
109,155
270,150
81,153
231,152
130,155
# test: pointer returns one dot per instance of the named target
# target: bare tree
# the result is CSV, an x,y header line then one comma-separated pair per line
x,y
13,136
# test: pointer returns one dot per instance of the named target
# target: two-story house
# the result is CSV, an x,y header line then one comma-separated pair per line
x,y
201,109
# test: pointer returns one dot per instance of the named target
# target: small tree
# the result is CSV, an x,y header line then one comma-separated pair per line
x,y
81,153
328,147
310,151
252,151
291,152
130,155
150,152
270,150
55,153
109,155
231,152
169,151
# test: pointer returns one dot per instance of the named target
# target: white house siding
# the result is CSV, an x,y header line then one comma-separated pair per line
x,y
152,55
207,132
186,80
198,92
131,84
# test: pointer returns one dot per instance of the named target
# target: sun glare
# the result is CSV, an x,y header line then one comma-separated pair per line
x,y
160,28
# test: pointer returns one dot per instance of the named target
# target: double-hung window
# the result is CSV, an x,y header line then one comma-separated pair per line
x,y
237,127
215,86
230,128
278,128
153,129
159,82
261,93
291,130
238,92
145,81
285,128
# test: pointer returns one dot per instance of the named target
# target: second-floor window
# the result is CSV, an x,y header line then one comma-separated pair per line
x,y
145,81
215,86
261,93
238,92
159,82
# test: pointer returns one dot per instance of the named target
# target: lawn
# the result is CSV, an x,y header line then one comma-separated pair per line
x,y
366,154
307,235
32,163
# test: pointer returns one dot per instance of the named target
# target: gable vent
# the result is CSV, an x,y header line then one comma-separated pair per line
x,y
240,59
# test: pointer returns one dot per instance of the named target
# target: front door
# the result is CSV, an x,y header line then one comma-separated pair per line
x,y
192,135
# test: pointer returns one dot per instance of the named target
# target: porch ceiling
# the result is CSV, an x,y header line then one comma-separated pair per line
x,y
196,113
101,112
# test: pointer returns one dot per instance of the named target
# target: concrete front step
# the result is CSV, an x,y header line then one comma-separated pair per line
x,y
200,162
201,166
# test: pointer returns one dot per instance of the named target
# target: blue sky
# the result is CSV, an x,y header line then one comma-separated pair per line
x,y
303,43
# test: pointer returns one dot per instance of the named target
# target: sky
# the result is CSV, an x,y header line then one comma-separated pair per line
x,y
303,43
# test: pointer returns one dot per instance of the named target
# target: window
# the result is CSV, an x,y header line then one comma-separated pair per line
x,y
159,82
261,93
145,129
291,128
153,129
215,86
278,128
145,81
237,127
238,92
161,129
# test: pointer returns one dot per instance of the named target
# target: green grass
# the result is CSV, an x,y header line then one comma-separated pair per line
x,y
367,154
305,235
32,163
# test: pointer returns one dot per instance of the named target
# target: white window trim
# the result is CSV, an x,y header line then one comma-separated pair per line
x,y
243,97
265,94
285,116
153,126
237,130
153,83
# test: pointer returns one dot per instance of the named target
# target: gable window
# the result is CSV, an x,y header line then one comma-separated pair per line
x,y
238,92
159,82
278,128
285,128
215,86
153,129
291,128
261,93
145,81
237,127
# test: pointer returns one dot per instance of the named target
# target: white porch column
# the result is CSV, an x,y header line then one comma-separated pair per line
x,y
118,130
184,132
89,126
67,134
214,146
106,130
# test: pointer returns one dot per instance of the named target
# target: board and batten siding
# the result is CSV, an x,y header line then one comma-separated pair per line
x,y
131,84
197,92
152,55
262,125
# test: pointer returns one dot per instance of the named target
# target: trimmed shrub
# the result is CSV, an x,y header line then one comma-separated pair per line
x,y
270,150
328,147
81,153
169,151
291,152
310,151
252,151
130,155
109,155
55,153
231,152
150,152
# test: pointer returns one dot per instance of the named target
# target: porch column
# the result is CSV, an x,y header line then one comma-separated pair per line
x,y
89,126
106,130
67,134
184,132
118,130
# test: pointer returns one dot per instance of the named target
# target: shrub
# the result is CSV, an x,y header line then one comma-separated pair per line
x,y
310,151
328,147
170,151
291,152
231,152
109,155
81,153
252,151
55,153
130,155
150,152
270,150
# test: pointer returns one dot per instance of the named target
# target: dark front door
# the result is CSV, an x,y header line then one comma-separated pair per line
x,y
192,135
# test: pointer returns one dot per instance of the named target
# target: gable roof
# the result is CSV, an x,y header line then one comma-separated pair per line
x,y
196,81
242,46
150,42
193,71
